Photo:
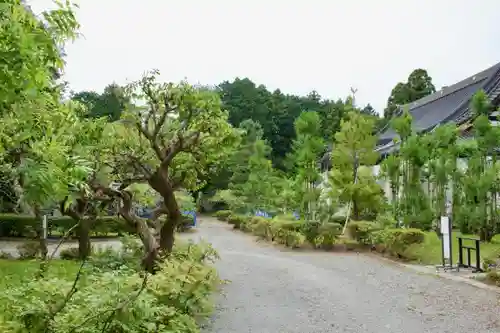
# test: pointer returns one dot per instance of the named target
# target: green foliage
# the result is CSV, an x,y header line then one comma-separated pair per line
x,y
307,148
398,241
223,215
28,250
237,220
110,104
276,112
71,253
361,231
418,85
171,301
350,179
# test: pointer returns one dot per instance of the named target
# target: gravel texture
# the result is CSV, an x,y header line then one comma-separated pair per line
x,y
274,291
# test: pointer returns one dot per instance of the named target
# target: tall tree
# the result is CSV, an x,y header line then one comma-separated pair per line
x,y
111,103
418,84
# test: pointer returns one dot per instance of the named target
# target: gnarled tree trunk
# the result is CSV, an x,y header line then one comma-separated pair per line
x,y
161,183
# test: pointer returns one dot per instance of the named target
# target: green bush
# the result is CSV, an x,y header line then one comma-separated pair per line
x,y
349,244
71,253
173,300
14,225
28,250
294,239
310,229
337,219
361,231
222,215
493,277
186,223
327,235
261,227
237,220
397,241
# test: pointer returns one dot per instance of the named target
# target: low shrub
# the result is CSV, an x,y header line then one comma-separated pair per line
x,y
337,219
28,250
327,235
362,231
348,244
6,255
186,223
294,239
121,300
222,215
237,220
397,241
261,227
71,253
310,229
493,277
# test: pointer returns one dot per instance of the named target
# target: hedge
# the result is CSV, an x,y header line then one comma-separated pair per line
x,y
14,225
294,233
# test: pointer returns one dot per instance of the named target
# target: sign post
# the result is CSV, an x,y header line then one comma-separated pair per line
x,y
44,226
447,247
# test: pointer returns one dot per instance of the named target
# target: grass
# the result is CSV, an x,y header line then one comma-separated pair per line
x,y
14,272
430,251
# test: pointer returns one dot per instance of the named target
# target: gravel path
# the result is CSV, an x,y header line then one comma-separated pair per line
x,y
274,291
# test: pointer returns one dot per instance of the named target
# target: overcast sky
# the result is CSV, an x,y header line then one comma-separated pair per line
x,y
294,45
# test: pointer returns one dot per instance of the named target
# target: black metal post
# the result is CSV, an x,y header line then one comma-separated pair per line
x,y
478,256
460,252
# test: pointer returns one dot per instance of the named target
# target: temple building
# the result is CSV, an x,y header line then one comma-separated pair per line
x,y
450,104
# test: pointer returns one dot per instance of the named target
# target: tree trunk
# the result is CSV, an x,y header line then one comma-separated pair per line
x,y
84,238
141,227
160,183
40,233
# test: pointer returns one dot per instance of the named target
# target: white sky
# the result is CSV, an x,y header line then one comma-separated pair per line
x,y
295,45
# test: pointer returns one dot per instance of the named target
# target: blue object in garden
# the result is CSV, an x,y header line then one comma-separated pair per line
x,y
262,214
192,214
297,216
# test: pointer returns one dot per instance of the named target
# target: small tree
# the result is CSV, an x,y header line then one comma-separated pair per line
x,y
354,147
307,148
169,142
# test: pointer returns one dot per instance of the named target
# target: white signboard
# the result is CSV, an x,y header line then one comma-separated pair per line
x,y
445,225
44,226
445,231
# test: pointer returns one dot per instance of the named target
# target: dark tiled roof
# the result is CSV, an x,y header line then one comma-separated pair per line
x,y
446,105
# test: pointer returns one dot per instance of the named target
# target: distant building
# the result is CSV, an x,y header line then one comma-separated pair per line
x,y
448,105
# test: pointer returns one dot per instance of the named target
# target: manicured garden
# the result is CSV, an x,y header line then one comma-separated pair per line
x,y
412,245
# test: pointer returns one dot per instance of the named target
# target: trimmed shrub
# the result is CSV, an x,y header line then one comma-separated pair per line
x,y
327,235
493,277
337,219
361,231
348,244
236,220
397,241
222,215
261,227
187,222
28,250
71,253
294,239
310,229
